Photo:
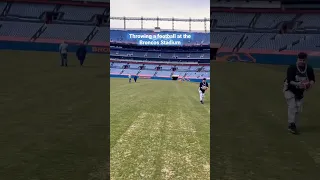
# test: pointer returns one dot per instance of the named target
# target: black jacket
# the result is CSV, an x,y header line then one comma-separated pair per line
x,y
81,52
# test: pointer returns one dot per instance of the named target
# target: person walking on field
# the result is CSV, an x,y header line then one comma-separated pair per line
x,y
81,54
63,50
300,78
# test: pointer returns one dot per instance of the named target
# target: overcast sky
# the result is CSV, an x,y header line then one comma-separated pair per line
x,y
199,9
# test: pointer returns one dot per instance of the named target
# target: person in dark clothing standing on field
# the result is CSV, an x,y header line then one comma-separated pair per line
x,y
135,78
81,53
300,78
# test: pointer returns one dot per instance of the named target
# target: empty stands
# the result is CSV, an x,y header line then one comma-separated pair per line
x,y
19,29
23,20
244,31
150,70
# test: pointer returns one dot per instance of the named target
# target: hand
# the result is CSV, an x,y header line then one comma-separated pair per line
x,y
302,86
311,84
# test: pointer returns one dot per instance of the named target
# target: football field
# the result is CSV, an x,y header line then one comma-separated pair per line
x,y
249,126
159,131
53,124
53,120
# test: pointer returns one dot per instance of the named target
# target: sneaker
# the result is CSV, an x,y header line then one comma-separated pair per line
x,y
201,102
292,128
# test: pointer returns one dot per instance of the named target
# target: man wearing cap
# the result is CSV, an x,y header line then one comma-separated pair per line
x,y
300,77
202,89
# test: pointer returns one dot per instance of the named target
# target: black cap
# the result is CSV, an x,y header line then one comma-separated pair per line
x,y
204,79
302,55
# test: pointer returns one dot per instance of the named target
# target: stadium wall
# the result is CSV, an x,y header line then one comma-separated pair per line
x,y
51,47
155,78
266,57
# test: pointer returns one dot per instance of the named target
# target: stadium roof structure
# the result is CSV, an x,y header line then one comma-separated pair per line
x,y
265,4
206,22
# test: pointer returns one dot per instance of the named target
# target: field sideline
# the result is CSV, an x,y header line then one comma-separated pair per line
x,y
249,126
159,130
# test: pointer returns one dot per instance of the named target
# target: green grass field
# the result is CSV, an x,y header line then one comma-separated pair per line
x,y
249,126
159,130
53,120
54,124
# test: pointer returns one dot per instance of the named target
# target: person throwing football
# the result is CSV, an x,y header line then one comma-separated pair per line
x,y
202,89
300,78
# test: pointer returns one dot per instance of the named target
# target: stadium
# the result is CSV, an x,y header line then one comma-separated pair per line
x,y
253,47
53,122
162,129
188,61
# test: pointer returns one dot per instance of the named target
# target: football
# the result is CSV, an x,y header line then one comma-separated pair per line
x,y
306,84
204,87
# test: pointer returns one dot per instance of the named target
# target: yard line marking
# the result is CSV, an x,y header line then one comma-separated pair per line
x,y
134,154
182,152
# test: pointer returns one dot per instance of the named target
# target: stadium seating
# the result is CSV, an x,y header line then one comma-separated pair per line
x,y
187,71
245,31
19,29
118,65
166,67
232,19
66,31
168,55
197,75
23,20
135,66
115,71
151,66
80,13
24,10
130,71
102,35
164,73
147,73
2,6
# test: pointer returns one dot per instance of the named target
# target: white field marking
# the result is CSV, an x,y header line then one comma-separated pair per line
x,y
134,154
183,157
